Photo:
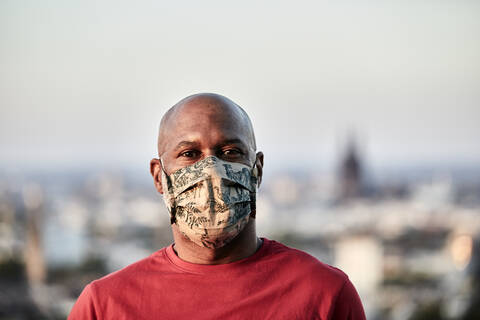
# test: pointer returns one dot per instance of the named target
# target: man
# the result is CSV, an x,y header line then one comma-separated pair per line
x,y
208,171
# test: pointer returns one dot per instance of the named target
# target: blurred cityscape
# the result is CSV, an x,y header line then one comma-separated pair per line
x,y
407,237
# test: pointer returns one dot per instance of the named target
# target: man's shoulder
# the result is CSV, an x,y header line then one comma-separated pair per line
x,y
302,261
132,272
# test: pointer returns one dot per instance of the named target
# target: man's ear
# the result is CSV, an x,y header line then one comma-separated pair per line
x,y
156,172
259,165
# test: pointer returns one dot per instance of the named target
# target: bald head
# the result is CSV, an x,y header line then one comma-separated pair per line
x,y
205,109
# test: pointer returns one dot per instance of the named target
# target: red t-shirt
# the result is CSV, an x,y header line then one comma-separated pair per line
x,y
277,282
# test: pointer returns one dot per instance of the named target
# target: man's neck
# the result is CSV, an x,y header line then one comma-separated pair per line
x,y
243,246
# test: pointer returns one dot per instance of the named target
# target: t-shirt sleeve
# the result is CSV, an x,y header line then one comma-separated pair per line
x,y
85,308
348,305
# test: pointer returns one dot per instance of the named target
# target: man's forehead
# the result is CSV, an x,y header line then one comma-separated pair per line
x,y
208,108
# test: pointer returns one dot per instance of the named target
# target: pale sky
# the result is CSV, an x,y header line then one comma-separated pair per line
x,y
86,82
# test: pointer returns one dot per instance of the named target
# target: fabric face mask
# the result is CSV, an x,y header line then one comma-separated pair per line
x,y
211,200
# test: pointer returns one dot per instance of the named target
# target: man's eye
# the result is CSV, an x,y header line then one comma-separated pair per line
x,y
188,154
231,152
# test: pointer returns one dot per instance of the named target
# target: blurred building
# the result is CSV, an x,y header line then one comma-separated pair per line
x,y
350,172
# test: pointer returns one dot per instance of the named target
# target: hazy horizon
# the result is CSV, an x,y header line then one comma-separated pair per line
x,y
86,83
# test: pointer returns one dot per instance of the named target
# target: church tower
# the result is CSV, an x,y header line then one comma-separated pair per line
x,y
350,172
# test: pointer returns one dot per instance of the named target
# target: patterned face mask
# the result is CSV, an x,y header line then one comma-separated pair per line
x,y
211,201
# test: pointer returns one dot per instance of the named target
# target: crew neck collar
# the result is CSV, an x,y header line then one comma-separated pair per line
x,y
209,268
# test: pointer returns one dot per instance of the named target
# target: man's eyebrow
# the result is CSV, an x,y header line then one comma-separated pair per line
x,y
233,141
236,141
184,143
190,144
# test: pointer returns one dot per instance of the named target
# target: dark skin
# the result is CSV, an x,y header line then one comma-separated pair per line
x,y
197,127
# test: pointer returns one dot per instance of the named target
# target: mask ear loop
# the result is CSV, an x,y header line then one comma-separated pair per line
x,y
173,209
253,195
